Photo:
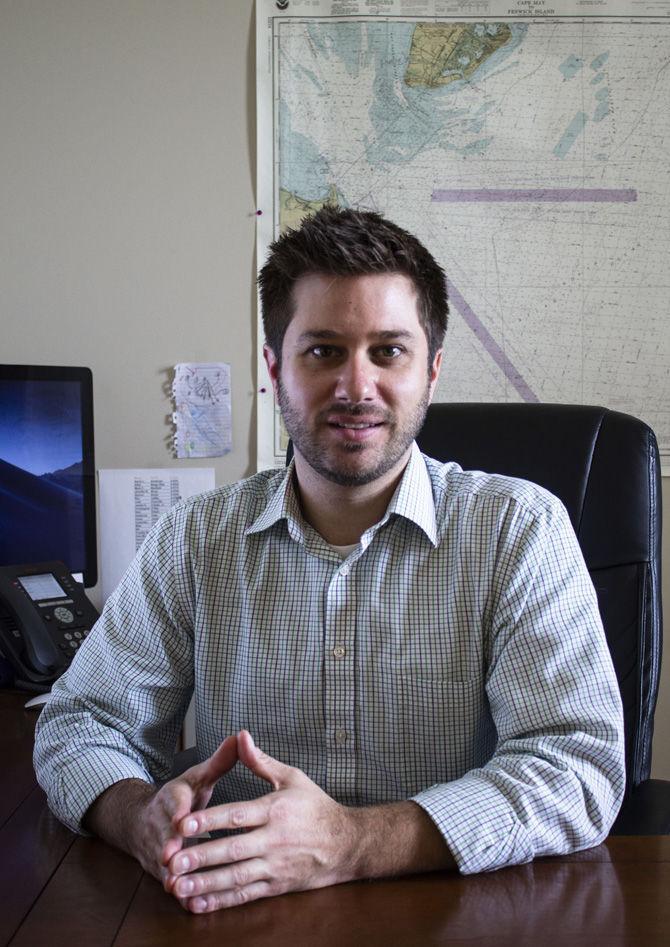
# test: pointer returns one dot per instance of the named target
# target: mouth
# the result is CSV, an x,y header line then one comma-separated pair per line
x,y
354,430
355,425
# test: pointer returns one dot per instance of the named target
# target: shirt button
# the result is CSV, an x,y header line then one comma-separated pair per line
x,y
339,651
344,571
341,737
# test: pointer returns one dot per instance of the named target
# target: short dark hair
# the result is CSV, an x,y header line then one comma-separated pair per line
x,y
344,242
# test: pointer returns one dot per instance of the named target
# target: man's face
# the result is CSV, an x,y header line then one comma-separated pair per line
x,y
354,383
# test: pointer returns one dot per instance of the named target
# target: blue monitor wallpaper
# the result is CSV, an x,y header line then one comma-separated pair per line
x,y
41,481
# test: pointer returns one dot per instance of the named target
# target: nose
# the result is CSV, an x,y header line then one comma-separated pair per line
x,y
357,379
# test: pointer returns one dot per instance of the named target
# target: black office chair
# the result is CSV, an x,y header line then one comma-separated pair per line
x,y
605,468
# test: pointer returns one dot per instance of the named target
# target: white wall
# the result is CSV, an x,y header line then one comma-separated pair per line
x,y
127,170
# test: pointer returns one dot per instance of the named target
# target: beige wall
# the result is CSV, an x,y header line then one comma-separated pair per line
x,y
127,222
127,172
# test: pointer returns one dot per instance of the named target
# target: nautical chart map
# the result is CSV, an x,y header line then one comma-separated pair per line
x,y
527,145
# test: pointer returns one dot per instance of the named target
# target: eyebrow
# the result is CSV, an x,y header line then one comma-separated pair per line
x,y
321,335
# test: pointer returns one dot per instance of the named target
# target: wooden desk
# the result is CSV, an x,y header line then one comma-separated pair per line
x,y
58,889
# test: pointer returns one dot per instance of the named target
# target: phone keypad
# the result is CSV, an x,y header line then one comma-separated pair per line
x,y
69,634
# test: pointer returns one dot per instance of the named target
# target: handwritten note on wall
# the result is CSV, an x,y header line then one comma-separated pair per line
x,y
202,415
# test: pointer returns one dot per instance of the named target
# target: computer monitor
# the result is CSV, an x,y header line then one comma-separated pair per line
x,y
47,468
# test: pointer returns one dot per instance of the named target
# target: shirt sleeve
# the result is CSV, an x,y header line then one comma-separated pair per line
x,y
556,779
117,712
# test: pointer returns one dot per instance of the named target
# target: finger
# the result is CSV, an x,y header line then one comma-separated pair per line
x,y
176,798
230,815
224,878
168,882
170,848
193,789
175,801
219,852
269,769
205,904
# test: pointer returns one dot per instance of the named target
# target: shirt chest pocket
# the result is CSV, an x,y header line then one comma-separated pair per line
x,y
429,651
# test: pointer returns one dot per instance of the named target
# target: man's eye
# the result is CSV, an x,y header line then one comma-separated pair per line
x,y
322,351
390,351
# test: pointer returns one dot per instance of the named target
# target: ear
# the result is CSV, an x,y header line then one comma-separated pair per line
x,y
272,363
435,372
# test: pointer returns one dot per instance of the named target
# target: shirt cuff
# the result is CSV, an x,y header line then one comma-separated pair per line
x,y
79,783
477,823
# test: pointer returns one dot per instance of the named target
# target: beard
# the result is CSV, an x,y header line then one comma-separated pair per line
x,y
346,464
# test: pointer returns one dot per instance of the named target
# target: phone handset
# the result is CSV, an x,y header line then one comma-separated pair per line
x,y
41,651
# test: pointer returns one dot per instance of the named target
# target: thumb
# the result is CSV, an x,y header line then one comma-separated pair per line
x,y
202,777
269,769
221,760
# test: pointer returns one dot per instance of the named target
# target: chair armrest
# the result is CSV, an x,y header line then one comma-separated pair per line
x,y
646,811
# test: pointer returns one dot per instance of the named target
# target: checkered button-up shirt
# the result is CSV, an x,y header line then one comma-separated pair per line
x,y
454,657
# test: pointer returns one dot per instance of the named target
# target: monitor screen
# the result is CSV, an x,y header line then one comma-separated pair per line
x,y
47,469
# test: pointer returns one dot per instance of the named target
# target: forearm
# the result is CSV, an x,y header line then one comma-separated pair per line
x,y
396,839
116,816
521,806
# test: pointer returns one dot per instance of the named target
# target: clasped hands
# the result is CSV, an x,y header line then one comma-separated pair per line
x,y
296,837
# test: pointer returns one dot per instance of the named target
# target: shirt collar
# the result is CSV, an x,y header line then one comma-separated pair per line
x,y
413,500
283,505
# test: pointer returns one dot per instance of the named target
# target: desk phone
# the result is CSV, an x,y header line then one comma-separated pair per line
x,y
45,617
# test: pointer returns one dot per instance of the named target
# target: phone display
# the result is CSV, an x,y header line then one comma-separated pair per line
x,y
40,587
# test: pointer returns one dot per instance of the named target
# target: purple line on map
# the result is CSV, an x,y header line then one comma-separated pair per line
x,y
597,195
491,346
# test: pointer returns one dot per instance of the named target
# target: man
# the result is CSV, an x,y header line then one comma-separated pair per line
x,y
417,649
